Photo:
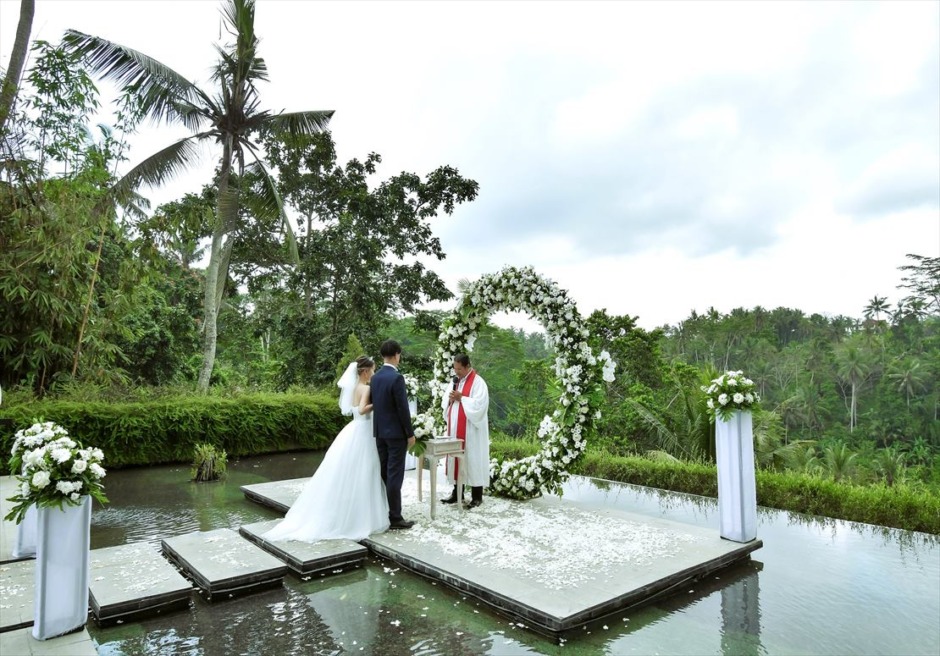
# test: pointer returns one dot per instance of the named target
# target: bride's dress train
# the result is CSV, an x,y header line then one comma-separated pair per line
x,y
345,498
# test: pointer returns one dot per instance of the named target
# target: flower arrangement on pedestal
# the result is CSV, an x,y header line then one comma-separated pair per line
x,y
729,392
425,425
581,374
412,386
54,470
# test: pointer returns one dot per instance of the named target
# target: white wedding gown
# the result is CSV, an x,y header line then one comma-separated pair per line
x,y
345,498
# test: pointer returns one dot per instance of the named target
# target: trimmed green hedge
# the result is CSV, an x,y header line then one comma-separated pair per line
x,y
899,506
166,430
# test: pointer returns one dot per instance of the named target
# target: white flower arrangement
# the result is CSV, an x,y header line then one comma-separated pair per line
x,y
729,392
412,386
54,469
581,374
425,427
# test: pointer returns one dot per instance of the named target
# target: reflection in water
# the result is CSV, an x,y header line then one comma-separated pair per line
x,y
740,614
821,586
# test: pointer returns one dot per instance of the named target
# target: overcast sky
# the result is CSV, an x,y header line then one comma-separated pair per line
x,y
650,158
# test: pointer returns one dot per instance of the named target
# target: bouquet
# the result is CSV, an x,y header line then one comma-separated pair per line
x,y
729,392
54,469
425,425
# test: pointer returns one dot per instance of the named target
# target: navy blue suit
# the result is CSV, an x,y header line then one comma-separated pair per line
x,y
391,426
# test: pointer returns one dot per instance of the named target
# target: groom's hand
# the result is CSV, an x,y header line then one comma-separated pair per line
x,y
411,441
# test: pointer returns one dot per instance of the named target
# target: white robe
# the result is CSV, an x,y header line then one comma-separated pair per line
x,y
477,446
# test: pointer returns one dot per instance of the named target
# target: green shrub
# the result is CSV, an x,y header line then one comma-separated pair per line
x,y
209,463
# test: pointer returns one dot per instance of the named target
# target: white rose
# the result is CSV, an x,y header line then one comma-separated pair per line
x,y
97,470
738,397
65,487
40,479
723,399
749,397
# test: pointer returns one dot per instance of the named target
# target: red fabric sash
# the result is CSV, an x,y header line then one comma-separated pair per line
x,y
461,433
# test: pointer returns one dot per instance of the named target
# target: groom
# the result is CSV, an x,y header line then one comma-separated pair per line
x,y
391,425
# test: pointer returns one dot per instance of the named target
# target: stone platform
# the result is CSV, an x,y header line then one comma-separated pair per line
x,y
304,558
133,580
223,564
551,564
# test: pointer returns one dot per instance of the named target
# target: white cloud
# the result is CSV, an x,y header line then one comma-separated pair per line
x,y
650,157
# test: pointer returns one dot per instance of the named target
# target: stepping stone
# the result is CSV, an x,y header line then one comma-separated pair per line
x,y
307,558
279,495
17,590
132,581
223,564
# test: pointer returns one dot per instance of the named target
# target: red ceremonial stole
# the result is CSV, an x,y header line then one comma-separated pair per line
x,y
461,433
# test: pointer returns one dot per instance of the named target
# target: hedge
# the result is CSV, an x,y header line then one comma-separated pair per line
x,y
166,430
899,506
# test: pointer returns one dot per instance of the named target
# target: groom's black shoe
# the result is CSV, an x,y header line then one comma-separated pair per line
x,y
452,498
473,504
401,524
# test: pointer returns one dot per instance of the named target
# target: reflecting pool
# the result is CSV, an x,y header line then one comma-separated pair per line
x,y
818,586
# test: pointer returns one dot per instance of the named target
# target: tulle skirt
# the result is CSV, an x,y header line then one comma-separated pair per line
x,y
345,498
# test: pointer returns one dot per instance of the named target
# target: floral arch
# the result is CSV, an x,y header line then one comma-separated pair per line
x,y
581,374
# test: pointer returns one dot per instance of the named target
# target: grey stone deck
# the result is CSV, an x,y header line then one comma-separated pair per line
x,y
304,558
224,564
133,580
22,643
551,564
17,585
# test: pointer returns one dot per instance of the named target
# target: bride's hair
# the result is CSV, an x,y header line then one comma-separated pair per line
x,y
363,362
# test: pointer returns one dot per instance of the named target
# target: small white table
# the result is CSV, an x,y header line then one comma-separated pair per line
x,y
437,448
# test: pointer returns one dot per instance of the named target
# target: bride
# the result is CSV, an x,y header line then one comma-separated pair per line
x,y
345,497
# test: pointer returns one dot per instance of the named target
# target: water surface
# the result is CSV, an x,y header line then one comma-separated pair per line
x,y
817,586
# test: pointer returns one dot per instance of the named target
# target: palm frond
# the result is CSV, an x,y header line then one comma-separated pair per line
x,y
268,194
668,438
157,84
160,167
300,123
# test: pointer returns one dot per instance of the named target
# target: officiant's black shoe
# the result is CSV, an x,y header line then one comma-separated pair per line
x,y
401,524
473,504
452,498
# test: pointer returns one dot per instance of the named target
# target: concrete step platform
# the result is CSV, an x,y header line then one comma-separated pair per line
x,y
307,559
223,564
132,581
17,588
549,564
279,495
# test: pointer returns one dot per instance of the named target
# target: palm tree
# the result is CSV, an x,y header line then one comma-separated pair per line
x,y
229,115
909,377
853,369
889,464
840,461
11,81
876,306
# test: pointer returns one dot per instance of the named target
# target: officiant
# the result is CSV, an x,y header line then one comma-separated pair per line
x,y
466,412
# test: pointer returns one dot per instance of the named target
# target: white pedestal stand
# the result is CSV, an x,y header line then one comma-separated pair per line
x,y
25,545
737,492
62,554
